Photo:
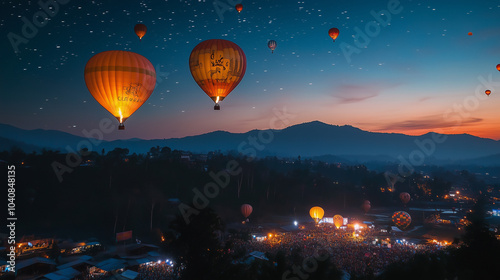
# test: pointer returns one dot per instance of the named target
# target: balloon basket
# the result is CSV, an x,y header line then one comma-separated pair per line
x,y
217,107
121,127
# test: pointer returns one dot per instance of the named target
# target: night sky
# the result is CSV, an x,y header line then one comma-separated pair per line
x,y
418,72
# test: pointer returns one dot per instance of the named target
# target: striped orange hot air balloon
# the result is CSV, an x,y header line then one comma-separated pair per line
x,y
217,66
140,30
120,81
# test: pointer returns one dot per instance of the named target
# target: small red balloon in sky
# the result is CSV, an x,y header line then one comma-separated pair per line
x,y
239,7
334,33
488,92
470,33
498,67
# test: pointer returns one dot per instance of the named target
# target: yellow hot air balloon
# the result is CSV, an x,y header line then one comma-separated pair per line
x,y
317,213
217,66
120,81
338,221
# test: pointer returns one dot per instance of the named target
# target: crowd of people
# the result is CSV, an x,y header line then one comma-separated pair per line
x,y
356,251
157,271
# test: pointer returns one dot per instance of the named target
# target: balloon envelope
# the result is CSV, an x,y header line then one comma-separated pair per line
x,y
317,213
217,66
338,221
488,92
405,197
334,33
498,67
366,206
272,45
246,210
401,219
239,7
140,30
470,33
120,81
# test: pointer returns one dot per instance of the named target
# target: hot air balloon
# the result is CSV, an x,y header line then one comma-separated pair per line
x,y
488,92
498,67
217,66
238,7
120,81
272,45
338,221
405,197
334,33
366,206
317,213
470,33
140,30
246,210
401,219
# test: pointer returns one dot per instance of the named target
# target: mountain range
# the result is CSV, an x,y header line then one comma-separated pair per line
x,y
308,140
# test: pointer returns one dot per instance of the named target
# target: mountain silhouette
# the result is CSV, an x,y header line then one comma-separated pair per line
x,y
312,139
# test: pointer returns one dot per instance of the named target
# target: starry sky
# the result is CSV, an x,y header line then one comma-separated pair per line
x,y
414,71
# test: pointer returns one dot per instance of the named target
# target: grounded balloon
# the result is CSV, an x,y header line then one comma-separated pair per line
x,y
366,206
140,30
272,45
246,210
217,66
488,92
317,213
405,197
120,81
401,219
239,7
338,221
334,33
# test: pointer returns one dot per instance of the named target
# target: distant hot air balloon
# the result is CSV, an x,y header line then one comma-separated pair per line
x,y
366,206
470,33
317,213
272,45
239,7
217,66
334,33
401,219
338,221
405,197
120,81
246,210
498,67
140,30
488,92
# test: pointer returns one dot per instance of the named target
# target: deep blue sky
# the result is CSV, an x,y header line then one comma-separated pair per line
x,y
418,74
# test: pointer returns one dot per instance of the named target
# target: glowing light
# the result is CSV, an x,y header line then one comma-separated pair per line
x,y
217,100
121,115
295,223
